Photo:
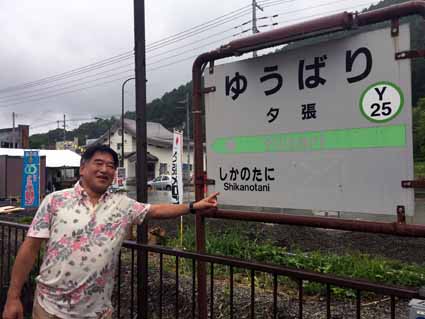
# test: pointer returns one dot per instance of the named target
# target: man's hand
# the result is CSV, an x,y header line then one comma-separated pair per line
x,y
164,211
207,202
13,309
23,263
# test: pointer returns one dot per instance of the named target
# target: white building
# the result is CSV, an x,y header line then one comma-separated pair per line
x,y
159,147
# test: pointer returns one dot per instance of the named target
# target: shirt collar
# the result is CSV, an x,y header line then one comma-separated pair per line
x,y
82,194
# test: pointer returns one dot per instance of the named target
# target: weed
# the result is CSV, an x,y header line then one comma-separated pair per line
x,y
235,243
25,220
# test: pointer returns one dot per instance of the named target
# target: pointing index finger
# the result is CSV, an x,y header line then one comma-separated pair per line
x,y
213,195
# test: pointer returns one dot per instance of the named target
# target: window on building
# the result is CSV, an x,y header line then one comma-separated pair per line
x,y
187,171
187,167
119,146
162,168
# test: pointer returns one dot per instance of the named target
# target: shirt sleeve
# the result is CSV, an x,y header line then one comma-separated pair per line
x,y
40,225
138,211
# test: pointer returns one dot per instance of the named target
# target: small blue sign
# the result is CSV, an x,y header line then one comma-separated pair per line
x,y
30,191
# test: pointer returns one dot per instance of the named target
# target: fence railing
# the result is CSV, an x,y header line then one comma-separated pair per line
x,y
236,288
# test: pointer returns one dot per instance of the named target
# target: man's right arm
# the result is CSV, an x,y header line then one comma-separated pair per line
x,y
23,264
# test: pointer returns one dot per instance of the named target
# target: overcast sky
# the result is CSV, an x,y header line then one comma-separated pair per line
x,y
42,41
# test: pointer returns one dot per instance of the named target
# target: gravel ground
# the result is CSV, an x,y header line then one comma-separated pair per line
x,y
287,303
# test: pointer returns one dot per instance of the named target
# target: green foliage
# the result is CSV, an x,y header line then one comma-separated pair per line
x,y
419,170
84,131
236,243
25,220
419,129
170,109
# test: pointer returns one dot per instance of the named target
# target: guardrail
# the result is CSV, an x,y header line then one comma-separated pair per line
x,y
173,292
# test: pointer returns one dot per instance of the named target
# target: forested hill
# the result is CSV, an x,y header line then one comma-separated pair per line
x,y
170,109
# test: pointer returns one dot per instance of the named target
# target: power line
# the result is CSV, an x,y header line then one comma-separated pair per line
x,y
43,124
103,63
7,97
10,97
322,14
320,6
61,120
68,92
22,98
199,31
197,27
71,72
153,46
128,54
25,99
17,99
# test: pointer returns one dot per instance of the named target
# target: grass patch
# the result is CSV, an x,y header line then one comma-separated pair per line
x,y
419,168
25,220
236,243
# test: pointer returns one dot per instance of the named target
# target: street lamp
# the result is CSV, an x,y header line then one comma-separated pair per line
x,y
122,120
186,101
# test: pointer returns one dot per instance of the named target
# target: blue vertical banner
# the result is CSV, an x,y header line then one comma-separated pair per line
x,y
30,191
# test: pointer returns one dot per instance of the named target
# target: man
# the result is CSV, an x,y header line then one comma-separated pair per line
x,y
84,228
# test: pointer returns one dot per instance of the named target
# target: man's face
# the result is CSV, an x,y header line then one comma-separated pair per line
x,y
98,172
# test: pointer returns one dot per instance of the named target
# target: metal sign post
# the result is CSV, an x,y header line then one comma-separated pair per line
x,y
376,103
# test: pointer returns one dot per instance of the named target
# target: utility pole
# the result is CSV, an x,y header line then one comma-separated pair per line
x,y
141,152
64,130
58,124
13,130
254,21
187,127
122,120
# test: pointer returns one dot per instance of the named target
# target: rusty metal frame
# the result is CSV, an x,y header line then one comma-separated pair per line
x,y
313,28
413,184
412,54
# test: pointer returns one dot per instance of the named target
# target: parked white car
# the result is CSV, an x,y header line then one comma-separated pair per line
x,y
161,182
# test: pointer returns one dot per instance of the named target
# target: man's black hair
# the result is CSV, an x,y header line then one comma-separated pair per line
x,y
91,150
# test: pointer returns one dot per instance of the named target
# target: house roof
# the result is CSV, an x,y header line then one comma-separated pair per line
x,y
90,141
150,157
54,158
157,134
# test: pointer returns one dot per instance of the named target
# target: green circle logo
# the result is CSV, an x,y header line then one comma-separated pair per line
x,y
30,169
381,102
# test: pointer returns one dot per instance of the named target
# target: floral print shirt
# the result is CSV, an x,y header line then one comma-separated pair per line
x,y
77,274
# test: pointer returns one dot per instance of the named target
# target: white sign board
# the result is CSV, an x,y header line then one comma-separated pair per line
x,y
120,178
322,127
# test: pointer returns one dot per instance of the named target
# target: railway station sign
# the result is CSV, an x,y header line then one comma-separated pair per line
x,y
322,127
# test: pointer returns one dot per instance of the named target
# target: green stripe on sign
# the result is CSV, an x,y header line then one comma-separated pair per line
x,y
343,139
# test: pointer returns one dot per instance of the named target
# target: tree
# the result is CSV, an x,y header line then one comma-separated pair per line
x,y
419,130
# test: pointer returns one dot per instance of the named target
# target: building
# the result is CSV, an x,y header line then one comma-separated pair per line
x,y
159,147
15,138
68,145
58,170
